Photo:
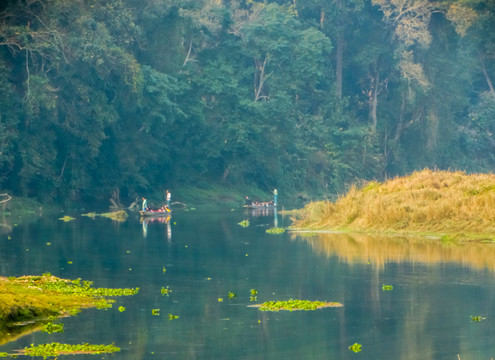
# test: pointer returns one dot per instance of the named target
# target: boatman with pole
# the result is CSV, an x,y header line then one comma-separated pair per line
x,y
275,196
169,197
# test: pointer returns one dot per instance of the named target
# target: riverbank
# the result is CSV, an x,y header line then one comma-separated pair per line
x,y
205,195
27,302
427,202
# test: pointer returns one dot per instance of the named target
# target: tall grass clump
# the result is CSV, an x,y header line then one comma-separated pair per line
x,y
429,201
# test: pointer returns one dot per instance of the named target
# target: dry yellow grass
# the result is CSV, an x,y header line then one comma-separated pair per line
x,y
426,201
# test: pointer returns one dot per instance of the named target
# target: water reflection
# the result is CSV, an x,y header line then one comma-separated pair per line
x,y
265,212
380,250
161,220
425,316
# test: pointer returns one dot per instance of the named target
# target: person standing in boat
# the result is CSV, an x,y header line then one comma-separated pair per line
x,y
145,204
169,198
275,196
248,201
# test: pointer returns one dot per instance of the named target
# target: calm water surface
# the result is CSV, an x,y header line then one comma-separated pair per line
x,y
427,315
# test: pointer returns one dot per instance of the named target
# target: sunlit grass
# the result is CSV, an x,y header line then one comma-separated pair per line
x,y
30,298
426,201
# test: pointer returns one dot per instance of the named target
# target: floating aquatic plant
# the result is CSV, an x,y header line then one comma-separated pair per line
x,y
232,295
164,270
120,215
387,287
172,317
75,287
291,305
51,328
56,349
220,299
478,318
355,347
275,230
165,291
67,218
244,223
121,308
155,312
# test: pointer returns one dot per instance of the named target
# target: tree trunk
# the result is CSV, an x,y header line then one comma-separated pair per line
x,y
487,78
259,78
339,64
374,101
400,124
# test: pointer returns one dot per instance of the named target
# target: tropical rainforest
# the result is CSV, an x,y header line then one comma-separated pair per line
x,y
99,97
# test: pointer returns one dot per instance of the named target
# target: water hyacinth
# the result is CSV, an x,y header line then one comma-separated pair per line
x,y
291,305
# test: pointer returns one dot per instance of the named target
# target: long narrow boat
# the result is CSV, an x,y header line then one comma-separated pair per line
x,y
156,213
265,205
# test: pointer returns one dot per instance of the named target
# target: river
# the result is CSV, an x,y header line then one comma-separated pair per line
x,y
425,310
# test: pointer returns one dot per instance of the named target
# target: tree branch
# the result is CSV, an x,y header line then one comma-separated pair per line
x,y
8,197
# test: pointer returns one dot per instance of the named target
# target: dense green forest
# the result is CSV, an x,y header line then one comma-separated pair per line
x,y
132,96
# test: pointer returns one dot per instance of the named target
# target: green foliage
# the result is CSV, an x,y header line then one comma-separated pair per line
x,y
56,349
355,347
275,230
125,96
244,223
291,305
51,328
477,318
165,291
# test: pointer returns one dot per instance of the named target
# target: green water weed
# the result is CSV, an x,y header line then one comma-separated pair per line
x,y
51,328
477,318
244,223
293,304
165,291
56,349
355,347
275,230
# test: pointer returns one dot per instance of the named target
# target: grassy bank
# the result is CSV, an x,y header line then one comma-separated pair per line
x,y
28,301
424,202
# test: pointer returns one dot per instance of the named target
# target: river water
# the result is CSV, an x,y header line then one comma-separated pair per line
x,y
436,289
